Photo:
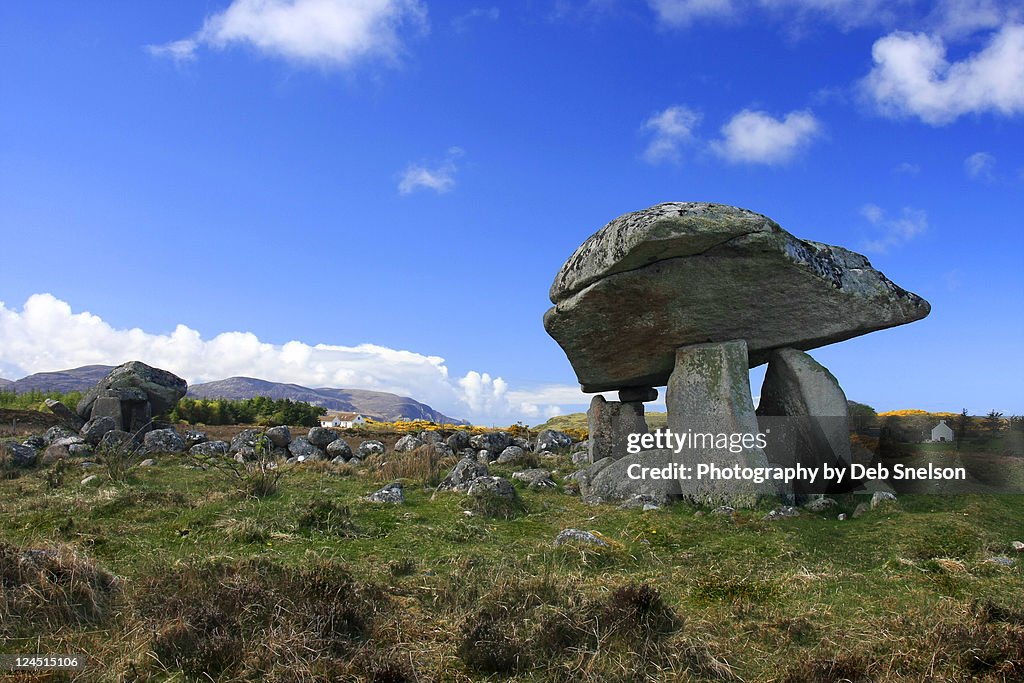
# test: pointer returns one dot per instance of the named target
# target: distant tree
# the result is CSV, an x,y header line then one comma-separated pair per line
x,y
961,427
1017,423
862,416
993,422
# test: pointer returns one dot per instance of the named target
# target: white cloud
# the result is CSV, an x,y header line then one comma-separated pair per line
x,y
333,33
758,138
912,77
671,129
439,177
907,168
980,165
46,335
685,12
893,231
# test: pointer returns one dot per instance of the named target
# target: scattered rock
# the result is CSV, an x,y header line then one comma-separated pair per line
x,y
339,448
64,414
392,493
842,517
637,290
578,458
92,479
820,505
281,436
163,441
781,513
80,450
882,498
148,462
210,449
1002,560
641,502
94,430
522,443
608,480
431,436
56,433
368,448
513,455
245,438
193,437
580,536
552,440
321,437
407,443
861,510
493,442
499,487
69,441
19,455
54,453
459,440
119,441
35,441
1018,546
724,510
462,475
302,450
535,478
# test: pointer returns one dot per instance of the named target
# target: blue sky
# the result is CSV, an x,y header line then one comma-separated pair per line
x,y
378,193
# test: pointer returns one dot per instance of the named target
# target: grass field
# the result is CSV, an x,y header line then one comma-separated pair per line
x,y
175,575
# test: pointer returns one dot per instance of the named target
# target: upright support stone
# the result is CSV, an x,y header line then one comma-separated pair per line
x,y
610,423
808,415
108,406
709,393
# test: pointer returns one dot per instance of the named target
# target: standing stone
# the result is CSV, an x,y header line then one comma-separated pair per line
x,y
806,412
610,423
66,415
709,393
108,407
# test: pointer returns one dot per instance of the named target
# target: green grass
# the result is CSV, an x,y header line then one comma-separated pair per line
x,y
427,591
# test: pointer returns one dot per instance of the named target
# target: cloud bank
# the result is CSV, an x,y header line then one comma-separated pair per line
x,y
330,33
756,137
47,335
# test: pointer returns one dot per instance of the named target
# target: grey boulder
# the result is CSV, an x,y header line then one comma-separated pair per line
x,y
208,449
321,436
162,389
280,436
407,443
19,455
638,289
368,448
302,450
535,478
339,449
458,440
94,430
462,475
66,415
552,440
513,455
392,493
163,441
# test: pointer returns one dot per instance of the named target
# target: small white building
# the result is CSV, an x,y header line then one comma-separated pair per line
x,y
342,420
942,432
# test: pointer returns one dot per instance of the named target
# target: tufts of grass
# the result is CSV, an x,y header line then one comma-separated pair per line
x,y
426,465
328,517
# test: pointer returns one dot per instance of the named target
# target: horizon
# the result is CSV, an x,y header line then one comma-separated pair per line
x,y
378,197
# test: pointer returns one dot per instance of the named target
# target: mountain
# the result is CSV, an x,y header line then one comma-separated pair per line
x,y
76,379
375,403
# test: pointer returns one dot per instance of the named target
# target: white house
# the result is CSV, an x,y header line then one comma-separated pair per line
x,y
343,420
942,432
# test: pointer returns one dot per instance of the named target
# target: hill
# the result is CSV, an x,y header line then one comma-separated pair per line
x,y
655,420
63,381
380,404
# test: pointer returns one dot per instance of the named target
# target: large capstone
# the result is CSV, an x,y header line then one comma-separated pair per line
x,y
805,410
161,389
680,274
